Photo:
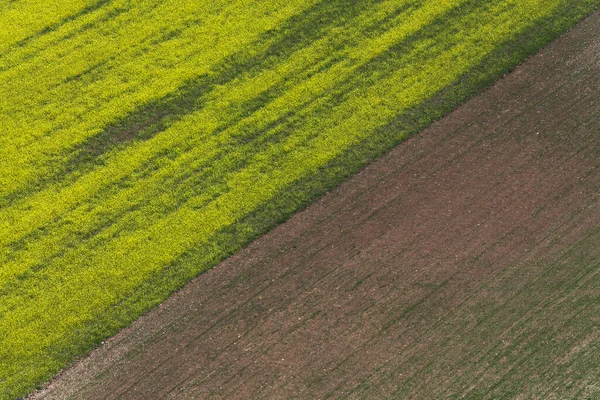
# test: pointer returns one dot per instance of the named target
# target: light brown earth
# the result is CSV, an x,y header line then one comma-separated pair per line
x,y
465,262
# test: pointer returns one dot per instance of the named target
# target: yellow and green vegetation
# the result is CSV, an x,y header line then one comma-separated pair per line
x,y
144,141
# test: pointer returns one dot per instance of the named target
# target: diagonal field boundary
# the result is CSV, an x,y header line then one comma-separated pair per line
x,y
465,262
144,142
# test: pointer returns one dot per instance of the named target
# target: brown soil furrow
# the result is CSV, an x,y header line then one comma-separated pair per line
x,y
453,265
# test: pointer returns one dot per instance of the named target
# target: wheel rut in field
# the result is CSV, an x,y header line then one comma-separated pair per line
x,y
464,261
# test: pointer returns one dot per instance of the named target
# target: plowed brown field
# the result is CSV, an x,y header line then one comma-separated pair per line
x,y
465,262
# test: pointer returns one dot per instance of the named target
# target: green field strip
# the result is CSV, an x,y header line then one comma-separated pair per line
x,y
493,312
525,341
537,346
211,149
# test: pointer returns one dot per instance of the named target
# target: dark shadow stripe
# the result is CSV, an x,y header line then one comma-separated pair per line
x,y
54,27
30,55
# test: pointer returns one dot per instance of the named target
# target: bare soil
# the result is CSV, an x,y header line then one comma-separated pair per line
x,y
465,262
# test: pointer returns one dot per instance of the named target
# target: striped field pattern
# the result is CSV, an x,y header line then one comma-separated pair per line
x,y
144,141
